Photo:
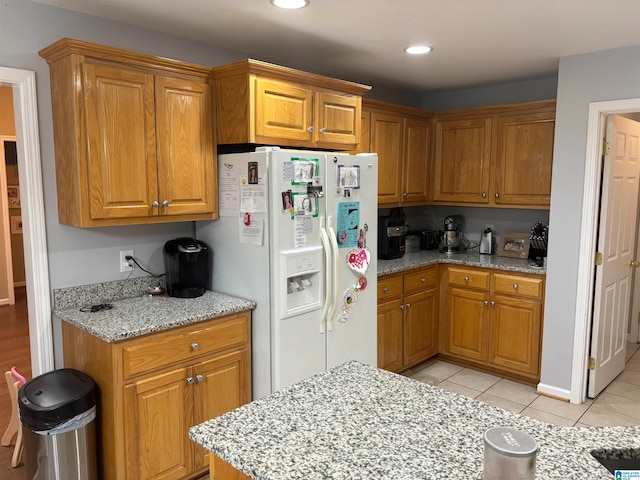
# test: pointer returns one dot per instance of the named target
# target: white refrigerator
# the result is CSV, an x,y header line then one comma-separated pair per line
x,y
297,234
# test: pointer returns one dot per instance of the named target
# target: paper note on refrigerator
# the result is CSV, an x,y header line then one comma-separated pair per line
x,y
251,234
229,187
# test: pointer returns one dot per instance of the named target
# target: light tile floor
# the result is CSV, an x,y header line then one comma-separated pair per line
x,y
617,405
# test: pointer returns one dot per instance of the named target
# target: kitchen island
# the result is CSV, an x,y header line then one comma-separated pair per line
x,y
356,422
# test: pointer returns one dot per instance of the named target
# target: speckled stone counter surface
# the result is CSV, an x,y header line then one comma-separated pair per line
x,y
139,314
471,258
356,422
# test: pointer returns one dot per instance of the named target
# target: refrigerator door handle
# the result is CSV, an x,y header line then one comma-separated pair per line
x,y
334,280
327,274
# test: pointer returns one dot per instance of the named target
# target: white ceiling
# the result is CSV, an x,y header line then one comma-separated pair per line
x,y
477,42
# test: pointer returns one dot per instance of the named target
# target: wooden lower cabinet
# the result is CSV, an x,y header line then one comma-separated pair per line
x,y
407,318
154,388
494,320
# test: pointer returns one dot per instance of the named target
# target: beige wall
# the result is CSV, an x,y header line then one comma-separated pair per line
x,y
8,127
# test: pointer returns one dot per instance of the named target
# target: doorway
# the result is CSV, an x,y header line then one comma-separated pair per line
x,y
588,234
23,86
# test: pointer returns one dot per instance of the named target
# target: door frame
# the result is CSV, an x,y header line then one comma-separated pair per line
x,y
5,219
23,83
588,234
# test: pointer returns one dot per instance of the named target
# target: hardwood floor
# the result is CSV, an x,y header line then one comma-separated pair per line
x,y
14,352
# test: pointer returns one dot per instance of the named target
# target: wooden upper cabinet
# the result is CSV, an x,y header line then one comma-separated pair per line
x,y
524,150
462,159
134,140
386,141
401,136
262,103
496,156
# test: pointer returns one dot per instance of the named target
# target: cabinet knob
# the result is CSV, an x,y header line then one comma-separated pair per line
x,y
194,346
423,280
484,194
515,286
401,307
165,203
190,380
486,302
404,195
466,279
310,129
408,305
493,304
385,290
199,378
497,195
323,130
155,204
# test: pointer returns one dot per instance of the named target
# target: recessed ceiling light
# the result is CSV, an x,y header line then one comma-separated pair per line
x,y
418,49
290,4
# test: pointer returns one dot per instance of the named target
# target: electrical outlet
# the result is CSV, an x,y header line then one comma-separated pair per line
x,y
126,265
488,226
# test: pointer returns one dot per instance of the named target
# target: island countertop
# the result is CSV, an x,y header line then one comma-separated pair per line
x,y
356,422
133,316
471,258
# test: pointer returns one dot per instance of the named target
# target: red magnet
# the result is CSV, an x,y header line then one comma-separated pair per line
x,y
362,283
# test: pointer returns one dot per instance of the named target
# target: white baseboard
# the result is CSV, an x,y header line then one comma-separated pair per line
x,y
560,393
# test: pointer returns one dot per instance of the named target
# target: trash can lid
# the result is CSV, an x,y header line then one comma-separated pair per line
x,y
54,397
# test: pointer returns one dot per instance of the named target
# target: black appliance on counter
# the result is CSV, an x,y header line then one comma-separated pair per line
x,y
391,231
186,267
428,238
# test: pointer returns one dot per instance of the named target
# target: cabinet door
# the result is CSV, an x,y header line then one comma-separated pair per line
x,y
282,111
120,142
390,335
416,160
462,161
468,323
420,322
386,141
186,163
337,119
523,159
221,385
514,338
365,133
157,413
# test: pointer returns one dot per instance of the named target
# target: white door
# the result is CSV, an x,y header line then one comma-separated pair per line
x,y
616,242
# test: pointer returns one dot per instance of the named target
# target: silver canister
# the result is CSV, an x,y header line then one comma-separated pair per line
x,y
509,454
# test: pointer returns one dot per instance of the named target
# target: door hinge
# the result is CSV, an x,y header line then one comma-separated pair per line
x,y
598,259
592,363
606,148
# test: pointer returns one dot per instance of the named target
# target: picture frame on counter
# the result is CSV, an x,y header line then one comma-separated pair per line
x,y
515,245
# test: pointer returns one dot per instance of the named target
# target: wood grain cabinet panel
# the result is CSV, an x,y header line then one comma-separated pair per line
x,y
496,156
401,136
133,140
494,320
258,102
147,405
407,318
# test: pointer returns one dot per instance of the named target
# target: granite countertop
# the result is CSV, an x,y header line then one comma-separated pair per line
x,y
132,316
470,258
356,422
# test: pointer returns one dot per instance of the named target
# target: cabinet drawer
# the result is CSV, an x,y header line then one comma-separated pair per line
x,y
389,287
172,347
465,277
516,285
421,279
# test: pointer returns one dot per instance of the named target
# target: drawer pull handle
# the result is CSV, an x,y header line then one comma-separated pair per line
x,y
385,290
190,380
194,346
466,279
199,378
515,286
423,280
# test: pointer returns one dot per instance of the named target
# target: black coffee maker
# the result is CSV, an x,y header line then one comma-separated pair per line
x,y
186,267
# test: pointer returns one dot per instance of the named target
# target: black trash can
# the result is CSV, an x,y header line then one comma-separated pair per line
x,y
58,411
